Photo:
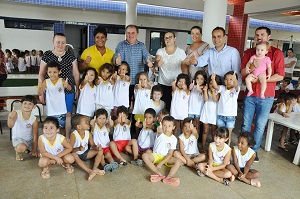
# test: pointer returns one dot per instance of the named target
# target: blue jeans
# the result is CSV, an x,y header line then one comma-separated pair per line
x,y
261,108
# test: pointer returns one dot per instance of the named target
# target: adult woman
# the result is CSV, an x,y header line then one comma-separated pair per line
x,y
169,60
98,54
3,70
196,49
69,69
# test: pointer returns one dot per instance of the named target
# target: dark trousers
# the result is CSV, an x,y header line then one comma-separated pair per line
x,y
167,95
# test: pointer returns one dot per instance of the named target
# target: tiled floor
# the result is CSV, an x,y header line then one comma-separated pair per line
x,y
279,177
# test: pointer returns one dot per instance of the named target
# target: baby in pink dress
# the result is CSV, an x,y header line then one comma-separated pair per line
x,y
260,71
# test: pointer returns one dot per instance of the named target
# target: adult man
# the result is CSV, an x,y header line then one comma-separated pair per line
x,y
221,58
134,53
289,63
254,105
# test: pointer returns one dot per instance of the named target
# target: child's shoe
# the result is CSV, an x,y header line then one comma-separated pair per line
x,y
262,96
249,93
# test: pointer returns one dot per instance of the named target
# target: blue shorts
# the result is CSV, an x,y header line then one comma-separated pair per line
x,y
227,121
69,101
61,120
194,116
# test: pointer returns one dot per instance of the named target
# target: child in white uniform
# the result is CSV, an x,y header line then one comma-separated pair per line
x,y
218,158
164,147
54,148
156,103
243,157
189,153
146,135
105,88
87,97
100,129
33,63
209,112
121,87
27,61
122,138
24,127
21,62
227,106
196,100
81,139
55,95
180,99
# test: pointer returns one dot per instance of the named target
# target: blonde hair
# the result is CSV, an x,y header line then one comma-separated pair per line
x,y
262,43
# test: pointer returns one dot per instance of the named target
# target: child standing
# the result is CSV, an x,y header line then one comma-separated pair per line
x,y
87,97
189,153
54,148
27,61
196,100
54,87
105,85
122,138
227,106
164,146
33,63
209,112
180,99
218,158
243,157
39,58
260,71
24,128
146,135
121,88
21,62
81,139
100,130
9,61
156,103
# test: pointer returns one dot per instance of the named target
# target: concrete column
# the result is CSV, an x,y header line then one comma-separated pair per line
x,y
214,15
131,12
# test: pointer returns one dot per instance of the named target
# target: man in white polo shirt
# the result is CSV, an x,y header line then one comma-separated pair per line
x,y
289,63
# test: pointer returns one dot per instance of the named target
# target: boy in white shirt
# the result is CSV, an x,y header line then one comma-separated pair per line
x,y
24,128
164,146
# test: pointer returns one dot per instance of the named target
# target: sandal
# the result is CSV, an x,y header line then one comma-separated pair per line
x,y
200,173
156,178
70,169
255,183
283,148
107,167
45,174
123,163
171,181
226,182
114,166
19,157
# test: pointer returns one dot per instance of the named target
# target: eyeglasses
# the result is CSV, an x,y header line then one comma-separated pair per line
x,y
170,37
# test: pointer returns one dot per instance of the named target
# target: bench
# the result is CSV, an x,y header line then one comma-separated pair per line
x,y
292,122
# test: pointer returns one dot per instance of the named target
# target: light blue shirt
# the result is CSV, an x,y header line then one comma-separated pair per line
x,y
135,55
228,59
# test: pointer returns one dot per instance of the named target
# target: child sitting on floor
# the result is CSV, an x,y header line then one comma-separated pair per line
x,y
81,139
189,152
243,157
24,127
100,130
54,148
164,146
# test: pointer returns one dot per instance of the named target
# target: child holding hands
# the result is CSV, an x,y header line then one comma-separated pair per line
x,y
81,139
24,128
54,148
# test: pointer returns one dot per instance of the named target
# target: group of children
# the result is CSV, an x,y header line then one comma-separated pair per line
x,y
22,62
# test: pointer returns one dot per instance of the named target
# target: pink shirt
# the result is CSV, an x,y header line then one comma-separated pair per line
x,y
261,69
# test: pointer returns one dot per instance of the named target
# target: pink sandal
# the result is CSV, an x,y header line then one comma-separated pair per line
x,y
255,183
156,178
172,181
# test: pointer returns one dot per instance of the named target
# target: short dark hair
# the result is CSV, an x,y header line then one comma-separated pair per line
x,y
137,77
188,120
100,30
150,111
101,111
164,112
53,64
122,109
107,66
219,28
222,132
268,30
230,73
156,88
196,27
132,26
59,34
76,119
249,137
29,98
85,72
183,76
169,118
289,96
291,49
52,120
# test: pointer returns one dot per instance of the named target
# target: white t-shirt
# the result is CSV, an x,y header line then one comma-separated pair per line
x,y
157,108
55,148
146,138
27,59
243,159
86,101
105,95
84,142
219,155
296,107
179,104
196,101
228,101
33,60
142,100
101,136
122,132
23,128
171,68
121,92
21,64
163,144
189,144
288,60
